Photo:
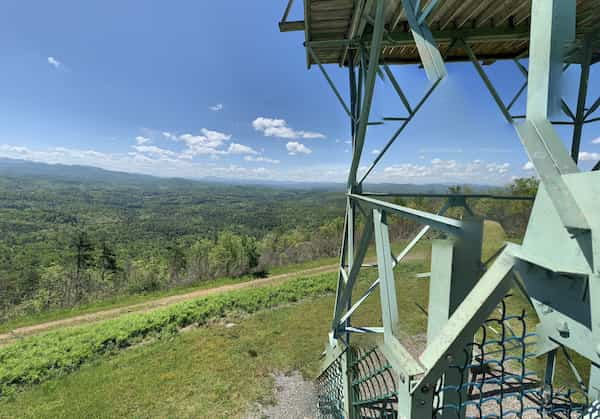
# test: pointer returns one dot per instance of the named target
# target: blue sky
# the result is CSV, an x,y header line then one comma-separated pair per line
x,y
197,88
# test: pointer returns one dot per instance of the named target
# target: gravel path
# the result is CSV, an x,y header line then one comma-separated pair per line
x,y
295,397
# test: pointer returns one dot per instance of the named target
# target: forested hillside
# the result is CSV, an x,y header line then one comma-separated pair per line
x,y
74,234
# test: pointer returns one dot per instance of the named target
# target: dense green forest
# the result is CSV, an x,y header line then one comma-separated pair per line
x,y
75,234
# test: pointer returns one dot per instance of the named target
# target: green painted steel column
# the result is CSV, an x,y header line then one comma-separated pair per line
x,y
389,304
365,111
583,89
440,282
455,270
552,26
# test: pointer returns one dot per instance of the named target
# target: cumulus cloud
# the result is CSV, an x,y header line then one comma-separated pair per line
x,y
497,167
440,170
54,62
207,143
528,166
144,159
376,151
141,140
271,127
156,161
235,148
150,149
261,159
587,156
596,141
294,147
218,107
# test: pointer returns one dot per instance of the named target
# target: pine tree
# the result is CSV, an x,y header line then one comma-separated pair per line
x,y
107,262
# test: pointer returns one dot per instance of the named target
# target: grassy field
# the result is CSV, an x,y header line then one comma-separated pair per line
x,y
211,371
115,302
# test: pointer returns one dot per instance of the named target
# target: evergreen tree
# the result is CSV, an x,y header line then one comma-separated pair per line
x,y
84,259
107,261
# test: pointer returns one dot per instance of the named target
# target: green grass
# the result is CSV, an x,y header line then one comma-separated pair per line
x,y
127,300
114,302
210,371
41,357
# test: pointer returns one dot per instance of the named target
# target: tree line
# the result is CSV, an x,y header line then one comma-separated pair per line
x,y
64,262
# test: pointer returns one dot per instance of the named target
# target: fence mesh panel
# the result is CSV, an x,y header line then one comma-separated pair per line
x,y
373,385
330,391
498,380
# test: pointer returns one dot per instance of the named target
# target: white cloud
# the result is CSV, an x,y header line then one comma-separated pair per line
x,y
150,149
54,62
497,167
218,107
348,142
294,147
141,140
161,162
209,143
439,170
271,127
528,166
376,151
587,156
145,159
596,141
204,144
261,159
235,148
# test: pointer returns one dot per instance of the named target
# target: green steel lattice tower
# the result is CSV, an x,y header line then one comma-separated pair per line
x,y
558,264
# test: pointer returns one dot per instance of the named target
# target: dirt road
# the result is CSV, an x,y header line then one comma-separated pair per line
x,y
21,332
153,304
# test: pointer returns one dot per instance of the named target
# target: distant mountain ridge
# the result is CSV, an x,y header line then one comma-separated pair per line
x,y
86,174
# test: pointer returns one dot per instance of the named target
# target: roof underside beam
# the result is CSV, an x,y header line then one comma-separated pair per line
x,y
402,38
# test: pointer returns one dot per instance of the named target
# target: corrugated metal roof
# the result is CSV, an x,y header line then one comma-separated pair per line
x,y
495,29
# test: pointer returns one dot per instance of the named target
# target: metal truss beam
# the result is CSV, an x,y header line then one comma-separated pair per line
x,y
437,222
397,133
579,117
389,304
432,60
369,87
395,261
487,82
397,88
451,202
592,108
468,317
450,196
330,82
345,292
